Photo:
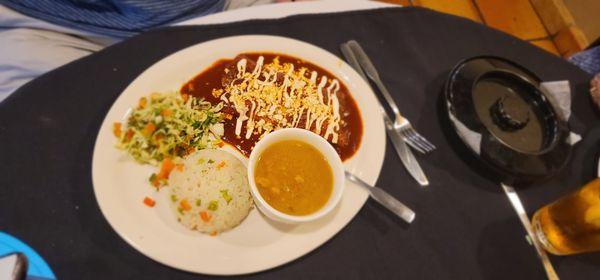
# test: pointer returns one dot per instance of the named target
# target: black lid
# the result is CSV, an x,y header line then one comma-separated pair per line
x,y
499,112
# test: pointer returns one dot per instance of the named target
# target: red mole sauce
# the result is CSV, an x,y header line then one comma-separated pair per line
x,y
201,86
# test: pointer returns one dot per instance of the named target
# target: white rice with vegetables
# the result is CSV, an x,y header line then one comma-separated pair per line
x,y
210,193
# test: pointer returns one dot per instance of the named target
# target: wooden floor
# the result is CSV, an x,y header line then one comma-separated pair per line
x,y
516,17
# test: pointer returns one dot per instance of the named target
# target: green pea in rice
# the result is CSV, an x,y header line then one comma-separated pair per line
x,y
214,182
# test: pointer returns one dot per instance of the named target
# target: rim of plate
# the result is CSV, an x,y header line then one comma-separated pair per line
x,y
368,167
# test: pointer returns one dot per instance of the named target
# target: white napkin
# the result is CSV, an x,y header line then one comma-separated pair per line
x,y
559,94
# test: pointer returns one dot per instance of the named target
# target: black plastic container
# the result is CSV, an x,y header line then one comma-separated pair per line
x,y
505,120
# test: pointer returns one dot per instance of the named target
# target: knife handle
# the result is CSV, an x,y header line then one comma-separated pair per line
x,y
408,159
366,63
392,204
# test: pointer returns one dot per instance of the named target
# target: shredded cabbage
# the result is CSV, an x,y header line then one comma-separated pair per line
x,y
170,125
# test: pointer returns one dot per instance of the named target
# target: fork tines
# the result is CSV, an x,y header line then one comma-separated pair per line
x,y
415,140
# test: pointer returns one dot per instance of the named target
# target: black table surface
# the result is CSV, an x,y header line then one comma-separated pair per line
x,y
465,227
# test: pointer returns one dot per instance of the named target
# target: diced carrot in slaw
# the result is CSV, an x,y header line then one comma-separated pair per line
x,y
166,113
166,168
117,129
149,202
185,97
129,135
143,102
160,178
148,129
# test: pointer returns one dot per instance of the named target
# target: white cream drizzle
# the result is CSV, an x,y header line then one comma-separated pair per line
x,y
264,105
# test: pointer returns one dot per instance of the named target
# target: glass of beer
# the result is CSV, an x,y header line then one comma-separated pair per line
x,y
571,224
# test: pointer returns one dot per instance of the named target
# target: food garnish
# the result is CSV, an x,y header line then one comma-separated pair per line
x,y
149,201
161,178
213,205
169,125
117,129
263,92
185,205
205,216
226,196
277,95
206,198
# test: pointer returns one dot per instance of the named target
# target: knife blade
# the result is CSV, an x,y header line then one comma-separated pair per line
x,y
515,201
404,153
385,199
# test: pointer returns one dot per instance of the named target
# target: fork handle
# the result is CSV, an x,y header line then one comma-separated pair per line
x,y
388,97
369,68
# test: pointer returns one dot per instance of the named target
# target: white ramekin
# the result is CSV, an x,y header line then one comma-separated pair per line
x,y
322,146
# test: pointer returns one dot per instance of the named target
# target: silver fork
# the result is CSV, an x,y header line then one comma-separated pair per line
x,y
401,124
404,153
412,137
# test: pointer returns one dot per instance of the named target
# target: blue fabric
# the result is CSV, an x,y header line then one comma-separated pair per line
x,y
118,18
588,60
37,266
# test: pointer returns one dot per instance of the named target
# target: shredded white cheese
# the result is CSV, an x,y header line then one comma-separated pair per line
x,y
265,104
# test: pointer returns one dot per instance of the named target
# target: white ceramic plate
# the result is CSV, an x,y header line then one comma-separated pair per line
x,y
257,244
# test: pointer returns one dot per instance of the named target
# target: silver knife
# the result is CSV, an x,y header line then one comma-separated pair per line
x,y
598,167
405,154
401,124
385,199
520,210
